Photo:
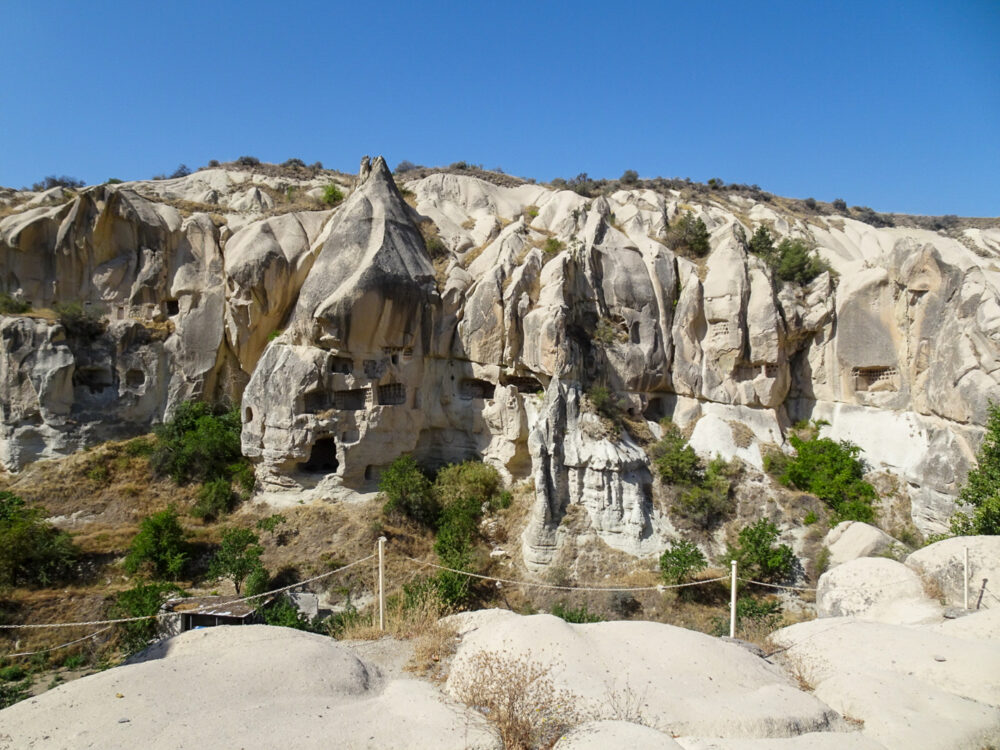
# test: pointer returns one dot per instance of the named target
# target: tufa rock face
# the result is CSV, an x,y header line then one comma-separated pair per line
x,y
346,345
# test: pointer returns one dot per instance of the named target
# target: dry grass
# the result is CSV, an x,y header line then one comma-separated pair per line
x,y
432,650
518,698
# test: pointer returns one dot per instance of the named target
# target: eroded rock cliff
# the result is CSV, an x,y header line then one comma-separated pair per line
x,y
347,344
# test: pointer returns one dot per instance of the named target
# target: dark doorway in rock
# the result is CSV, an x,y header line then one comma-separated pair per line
x,y
323,457
173,307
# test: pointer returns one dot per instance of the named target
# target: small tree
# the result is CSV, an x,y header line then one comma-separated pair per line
x,y
758,555
675,460
680,561
689,234
238,557
408,491
32,551
142,600
981,494
160,543
834,473
332,195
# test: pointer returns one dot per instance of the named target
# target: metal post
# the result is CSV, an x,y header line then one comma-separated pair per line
x,y
732,602
965,588
381,583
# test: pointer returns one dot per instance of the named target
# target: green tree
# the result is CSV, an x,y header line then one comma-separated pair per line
x,y
142,600
32,551
709,500
834,473
408,491
762,244
199,443
689,234
759,556
161,543
470,479
332,195
675,460
797,263
680,561
981,493
238,557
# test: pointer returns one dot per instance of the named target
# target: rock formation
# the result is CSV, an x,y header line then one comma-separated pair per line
x,y
347,345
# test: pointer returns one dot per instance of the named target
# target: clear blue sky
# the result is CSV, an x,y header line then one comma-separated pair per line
x,y
895,105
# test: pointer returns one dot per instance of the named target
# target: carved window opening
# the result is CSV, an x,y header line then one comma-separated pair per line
x,y
248,413
315,402
95,379
770,370
343,365
369,472
471,388
354,400
869,378
323,457
392,394
524,384
134,378
173,307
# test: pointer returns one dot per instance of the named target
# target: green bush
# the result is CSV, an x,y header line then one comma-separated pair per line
x,y
32,551
552,246
237,558
11,693
834,473
332,195
797,263
759,556
981,493
79,321
675,460
680,561
689,235
408,492
471,479
710,500
755,615
580,615
283,613
606,403
12,673
199,443
215,499
161,544
10,305
142,600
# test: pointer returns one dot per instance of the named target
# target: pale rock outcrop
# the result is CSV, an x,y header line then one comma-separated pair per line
x,y
691,683
598,735
912,687
849,540
875,588
944,562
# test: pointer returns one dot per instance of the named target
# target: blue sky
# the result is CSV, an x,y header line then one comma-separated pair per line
x,y
895,105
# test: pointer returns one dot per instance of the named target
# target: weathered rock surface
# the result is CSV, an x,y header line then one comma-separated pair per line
x,y
944,561
208,687
875,588
690,684
347,346
912,687
850,540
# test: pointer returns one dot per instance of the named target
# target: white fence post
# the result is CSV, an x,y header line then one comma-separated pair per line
x,y
381,583
732,602
965,588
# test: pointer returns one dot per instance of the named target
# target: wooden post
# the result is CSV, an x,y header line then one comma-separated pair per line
x,y
381,583
965,588
732,602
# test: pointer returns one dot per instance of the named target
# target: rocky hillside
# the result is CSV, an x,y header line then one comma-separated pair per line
x,y
452,316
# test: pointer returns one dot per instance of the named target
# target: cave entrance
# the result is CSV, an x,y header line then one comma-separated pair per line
x,y
323,457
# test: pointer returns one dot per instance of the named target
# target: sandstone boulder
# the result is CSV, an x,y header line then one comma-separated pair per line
x,y
850,540
874,588
944,563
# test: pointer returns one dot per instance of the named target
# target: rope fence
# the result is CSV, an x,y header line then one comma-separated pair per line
x,y
380,586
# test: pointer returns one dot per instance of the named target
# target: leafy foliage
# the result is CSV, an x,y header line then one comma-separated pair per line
x,y
834,473
238,557
79,321
161,543
981,494
791,260
709,500
758,555
31,550
675,460
10,305
215,499
757,615
580,615
689,235
680,561
408,492
142,600
332,195
283,613
552,246
471,479
51,181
